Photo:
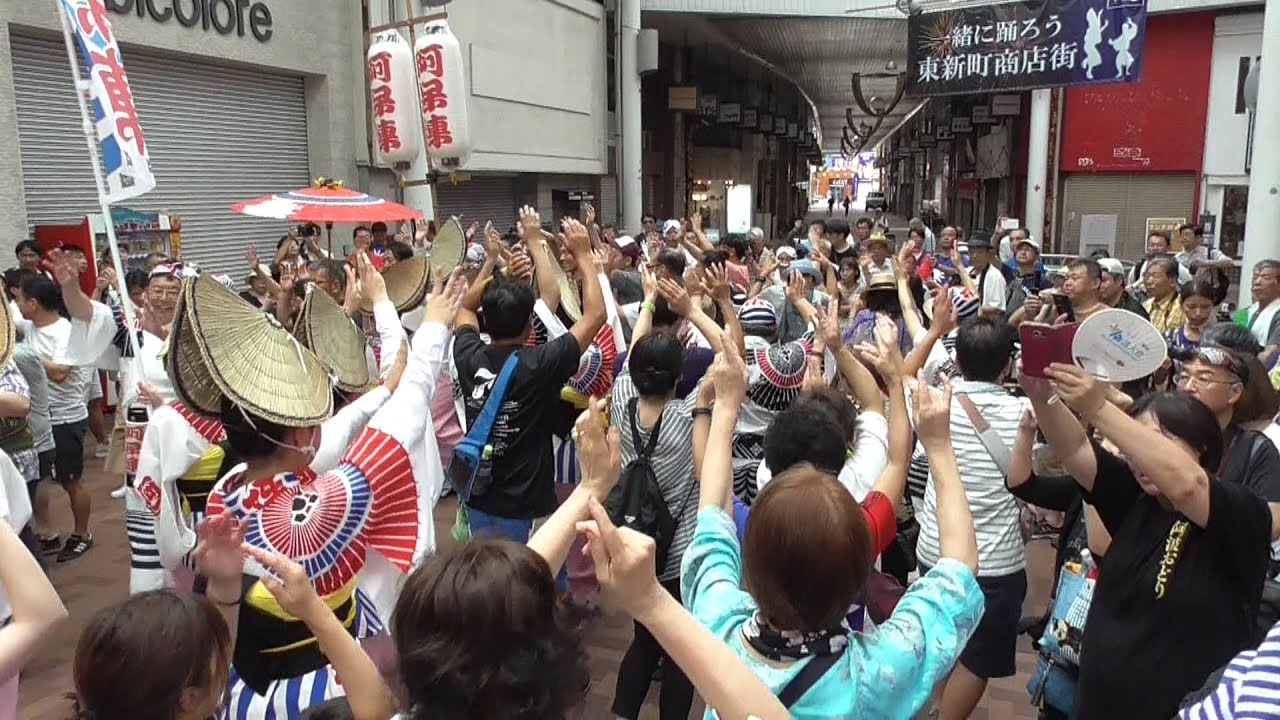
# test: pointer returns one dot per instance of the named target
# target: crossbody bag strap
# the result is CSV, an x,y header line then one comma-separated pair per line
x,y
996,448
808,676
482,428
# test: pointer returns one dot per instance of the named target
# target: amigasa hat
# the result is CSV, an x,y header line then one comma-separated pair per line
x,y
406,283
7,334
223,347
326,329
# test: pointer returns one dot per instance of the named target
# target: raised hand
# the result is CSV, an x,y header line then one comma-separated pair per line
x,y
728,373
62,267
677,297
217,553
288,584
625,562
931,410
599,448
530,224
373,289
576,238
716,282
446,297
650,283
1079,390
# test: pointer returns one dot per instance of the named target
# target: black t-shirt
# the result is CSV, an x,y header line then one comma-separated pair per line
x,y
1174,602
850,251
524,470
1253,460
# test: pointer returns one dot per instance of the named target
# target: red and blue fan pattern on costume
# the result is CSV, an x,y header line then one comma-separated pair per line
x,y
595,370
325,523
211,430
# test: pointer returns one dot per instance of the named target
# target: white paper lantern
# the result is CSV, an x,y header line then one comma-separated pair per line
x,y
393,99
442,90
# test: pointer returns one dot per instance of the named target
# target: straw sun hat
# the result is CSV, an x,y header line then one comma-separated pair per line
x,y
326,329
406,283
6,334
221,346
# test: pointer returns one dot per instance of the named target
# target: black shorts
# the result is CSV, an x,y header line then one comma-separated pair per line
x,y
68,440
992,652
47,459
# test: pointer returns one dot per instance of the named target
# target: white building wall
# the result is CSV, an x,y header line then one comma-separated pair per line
x,y
1227,131
537,83
309,38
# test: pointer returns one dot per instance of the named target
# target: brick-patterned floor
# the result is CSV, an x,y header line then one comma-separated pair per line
x,y
101,577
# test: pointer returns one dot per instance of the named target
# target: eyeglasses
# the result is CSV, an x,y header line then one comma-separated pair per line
x,y
1186,380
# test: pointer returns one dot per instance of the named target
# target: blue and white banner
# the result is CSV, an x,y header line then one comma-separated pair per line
x,y
1024,45
125,164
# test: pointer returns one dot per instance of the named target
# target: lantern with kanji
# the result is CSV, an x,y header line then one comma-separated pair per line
x,y
442,91
393,99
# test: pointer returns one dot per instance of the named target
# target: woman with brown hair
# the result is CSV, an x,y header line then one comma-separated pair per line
x,y
479,632
165,654
805,559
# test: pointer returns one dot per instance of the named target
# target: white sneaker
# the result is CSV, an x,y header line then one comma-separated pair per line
x,y
100,452
119,492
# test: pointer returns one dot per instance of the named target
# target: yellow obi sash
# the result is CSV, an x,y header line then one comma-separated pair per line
x,y
195,485
272,645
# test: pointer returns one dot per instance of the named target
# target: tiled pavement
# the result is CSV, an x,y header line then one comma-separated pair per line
x,y
101,577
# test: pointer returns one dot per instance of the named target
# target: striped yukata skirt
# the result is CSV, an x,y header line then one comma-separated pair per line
x,y
285,699
145,571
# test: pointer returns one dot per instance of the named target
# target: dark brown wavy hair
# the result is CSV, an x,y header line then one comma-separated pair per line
x,y
479,634
135,659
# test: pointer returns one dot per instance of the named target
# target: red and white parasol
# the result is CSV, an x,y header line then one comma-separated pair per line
x,y
327,202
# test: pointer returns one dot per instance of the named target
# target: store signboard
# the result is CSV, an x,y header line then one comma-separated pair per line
x,y
982,115
1024,45
682,98
1006,104
738,209
225,17
766,123
1168,225
751,118
730,113
961,125
709,105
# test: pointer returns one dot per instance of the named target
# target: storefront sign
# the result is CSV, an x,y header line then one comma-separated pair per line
x,y
682,97
225,17
709,105
1006,105
1023,45
1168,225
750,118
581,195
766,123
730,113
961,125
982,115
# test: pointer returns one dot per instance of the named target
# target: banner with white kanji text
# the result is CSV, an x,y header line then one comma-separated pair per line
x,y
1025,45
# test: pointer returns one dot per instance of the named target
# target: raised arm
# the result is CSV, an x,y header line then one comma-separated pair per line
x,y
1164,462
594,312
678,299
37,609
531,234
728,374
717,283
644,321
932,413
1062,431
625,562
887,358
600,457
945,320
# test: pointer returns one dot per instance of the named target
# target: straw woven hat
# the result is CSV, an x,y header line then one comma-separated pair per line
x,y
326,329
568,291
221,346
6,335
407,283
449,247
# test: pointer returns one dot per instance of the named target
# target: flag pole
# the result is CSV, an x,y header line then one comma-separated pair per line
x,y
90,137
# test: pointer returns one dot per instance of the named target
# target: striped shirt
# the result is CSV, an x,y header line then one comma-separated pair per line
x,y
672,461
1250,686
996,515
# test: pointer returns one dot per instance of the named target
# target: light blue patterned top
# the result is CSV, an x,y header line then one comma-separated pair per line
x,y
886,673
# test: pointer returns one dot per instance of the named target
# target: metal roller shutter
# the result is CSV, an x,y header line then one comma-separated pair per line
x,y
484,198
608,199
216,136
1132,199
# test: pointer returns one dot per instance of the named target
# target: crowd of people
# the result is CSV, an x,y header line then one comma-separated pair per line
x,y
808,468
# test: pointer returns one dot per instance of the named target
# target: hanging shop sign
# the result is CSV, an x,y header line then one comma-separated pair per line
x,y
730,113
751,118
1024,45
961,125
766,123
982,115
393,99
225,17
442,93
682,97
709,105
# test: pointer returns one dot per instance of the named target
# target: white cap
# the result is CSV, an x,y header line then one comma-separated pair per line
x,y
1111,265
670,225
1028,241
